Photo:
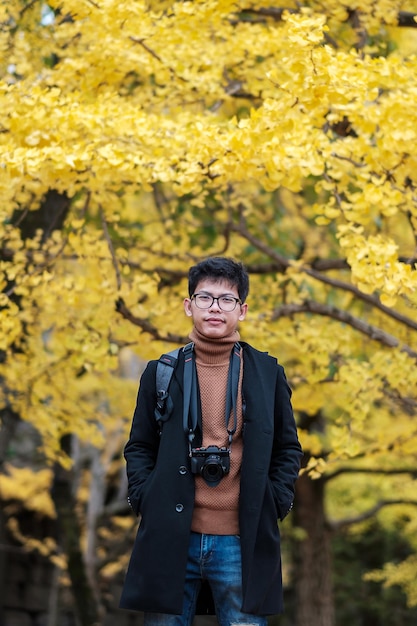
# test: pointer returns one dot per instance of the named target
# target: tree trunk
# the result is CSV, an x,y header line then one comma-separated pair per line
x,y
50,216
313,561
69,534
8,424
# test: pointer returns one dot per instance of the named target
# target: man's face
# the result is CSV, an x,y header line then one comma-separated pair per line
x,y
213,322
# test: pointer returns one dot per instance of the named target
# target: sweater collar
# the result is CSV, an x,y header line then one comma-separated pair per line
x,y
213,351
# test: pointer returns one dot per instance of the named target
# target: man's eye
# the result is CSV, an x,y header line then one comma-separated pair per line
x,y
227,300
204,298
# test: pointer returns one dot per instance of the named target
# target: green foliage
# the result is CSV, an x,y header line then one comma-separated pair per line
x,y
358,600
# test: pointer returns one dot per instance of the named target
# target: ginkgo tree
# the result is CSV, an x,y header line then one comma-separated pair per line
x,y
139,137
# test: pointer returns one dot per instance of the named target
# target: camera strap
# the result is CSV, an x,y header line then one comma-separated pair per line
x,y
190,412
232,389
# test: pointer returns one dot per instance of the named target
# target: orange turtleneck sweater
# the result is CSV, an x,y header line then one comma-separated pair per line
x,y
216,508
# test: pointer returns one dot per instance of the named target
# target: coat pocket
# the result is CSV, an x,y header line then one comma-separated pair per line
x,y
272,498
145,493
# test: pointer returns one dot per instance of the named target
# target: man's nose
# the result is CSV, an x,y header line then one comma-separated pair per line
x,y
215,304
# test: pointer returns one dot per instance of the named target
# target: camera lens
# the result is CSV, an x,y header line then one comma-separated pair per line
x,y
212,470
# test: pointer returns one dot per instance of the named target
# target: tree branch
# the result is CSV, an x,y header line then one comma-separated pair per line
x,y
111,249
405,19
309,306
349,521
372,300
370,470
282,264
146,326
156,56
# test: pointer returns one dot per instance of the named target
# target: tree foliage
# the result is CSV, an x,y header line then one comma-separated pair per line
x,y
138,137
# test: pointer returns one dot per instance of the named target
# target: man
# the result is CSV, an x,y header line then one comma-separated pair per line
x,y
211,484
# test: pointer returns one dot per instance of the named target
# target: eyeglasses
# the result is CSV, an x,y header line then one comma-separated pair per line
x,y
226,303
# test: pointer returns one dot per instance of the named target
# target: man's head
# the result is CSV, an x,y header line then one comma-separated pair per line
x,y
218,288
220,269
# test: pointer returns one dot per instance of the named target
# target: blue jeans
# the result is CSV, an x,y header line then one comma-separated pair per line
x,y
217,559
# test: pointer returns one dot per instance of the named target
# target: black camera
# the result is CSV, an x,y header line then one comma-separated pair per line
x,y
212,463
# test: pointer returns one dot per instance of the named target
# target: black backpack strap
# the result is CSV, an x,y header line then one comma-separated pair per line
x,y
164,371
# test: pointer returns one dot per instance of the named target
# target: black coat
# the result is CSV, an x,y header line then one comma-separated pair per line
x,y
161,490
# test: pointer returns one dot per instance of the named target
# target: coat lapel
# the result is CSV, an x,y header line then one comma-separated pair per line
x,y
259,381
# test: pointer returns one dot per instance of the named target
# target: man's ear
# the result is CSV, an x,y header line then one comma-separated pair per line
x,y
187,307
243,311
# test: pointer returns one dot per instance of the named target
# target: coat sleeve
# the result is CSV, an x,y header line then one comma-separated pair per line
x,y
286,450
141,449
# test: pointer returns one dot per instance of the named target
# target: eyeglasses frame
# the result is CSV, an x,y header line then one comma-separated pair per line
x,y
237,301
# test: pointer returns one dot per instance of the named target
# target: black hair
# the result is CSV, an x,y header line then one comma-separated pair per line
x,y
217,269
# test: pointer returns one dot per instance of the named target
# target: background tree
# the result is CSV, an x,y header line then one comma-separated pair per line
x,y
139,137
